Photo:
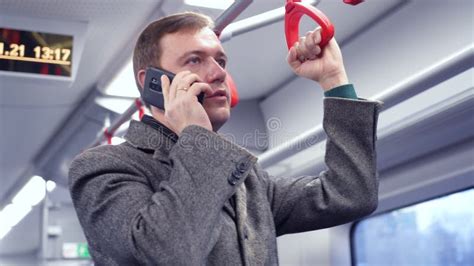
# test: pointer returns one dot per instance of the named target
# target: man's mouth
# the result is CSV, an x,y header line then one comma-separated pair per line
x,y
219,93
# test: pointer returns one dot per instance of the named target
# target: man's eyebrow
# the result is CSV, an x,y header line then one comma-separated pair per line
x,y
199,52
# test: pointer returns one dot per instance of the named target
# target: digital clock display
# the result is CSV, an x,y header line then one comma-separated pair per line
x,y
35,52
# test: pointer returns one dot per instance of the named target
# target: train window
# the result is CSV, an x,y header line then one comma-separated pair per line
x,y
435,232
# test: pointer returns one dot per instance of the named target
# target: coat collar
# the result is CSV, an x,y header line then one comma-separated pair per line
x,y
146,137
149,120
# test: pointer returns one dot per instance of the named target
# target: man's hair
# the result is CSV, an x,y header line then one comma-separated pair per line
x,y
148,50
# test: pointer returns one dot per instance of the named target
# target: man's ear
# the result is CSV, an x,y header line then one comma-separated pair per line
x,y
141,78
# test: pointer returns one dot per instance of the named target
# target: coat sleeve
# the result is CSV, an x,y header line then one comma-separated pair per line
x,y
348,189
124,218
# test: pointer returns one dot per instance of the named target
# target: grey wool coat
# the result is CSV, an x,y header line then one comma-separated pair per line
x,y
205,201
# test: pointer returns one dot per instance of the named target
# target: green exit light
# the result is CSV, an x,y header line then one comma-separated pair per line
x,y
76,251
83,250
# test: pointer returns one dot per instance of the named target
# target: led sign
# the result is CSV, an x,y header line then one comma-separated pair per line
x,y
35,52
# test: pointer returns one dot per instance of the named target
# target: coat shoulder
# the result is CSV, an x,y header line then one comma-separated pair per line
x,y
108,158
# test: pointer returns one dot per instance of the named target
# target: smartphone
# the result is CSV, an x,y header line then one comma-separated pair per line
x,y
152,91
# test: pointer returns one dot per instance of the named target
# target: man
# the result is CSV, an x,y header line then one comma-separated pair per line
x,y
177,193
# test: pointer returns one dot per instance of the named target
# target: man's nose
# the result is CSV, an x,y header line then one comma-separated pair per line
x,y
215,72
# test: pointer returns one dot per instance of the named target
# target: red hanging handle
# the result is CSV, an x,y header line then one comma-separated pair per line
x,y
234,94
108,136
140,108
353,2
294,11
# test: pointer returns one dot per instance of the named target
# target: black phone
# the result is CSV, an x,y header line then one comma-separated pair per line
x,y
152,91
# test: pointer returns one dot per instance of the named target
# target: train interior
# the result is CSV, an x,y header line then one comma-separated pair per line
x,y
416,56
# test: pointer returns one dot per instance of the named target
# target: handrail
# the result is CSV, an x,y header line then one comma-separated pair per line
x,y
230,14
123,118
258,21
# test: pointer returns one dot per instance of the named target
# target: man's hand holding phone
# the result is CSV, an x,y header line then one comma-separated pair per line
x,y
182,107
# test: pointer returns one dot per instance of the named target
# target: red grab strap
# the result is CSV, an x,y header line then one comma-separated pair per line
x,y
234,94
294,11
108,136
140,108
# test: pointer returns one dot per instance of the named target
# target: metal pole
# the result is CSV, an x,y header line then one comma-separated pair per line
x,y
431,76
255,22
421,81
230,14
116,124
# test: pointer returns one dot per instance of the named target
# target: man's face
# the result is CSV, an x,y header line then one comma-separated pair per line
x,y
200,52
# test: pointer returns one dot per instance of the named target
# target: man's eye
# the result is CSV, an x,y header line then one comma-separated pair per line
x,y
194,60
222,62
